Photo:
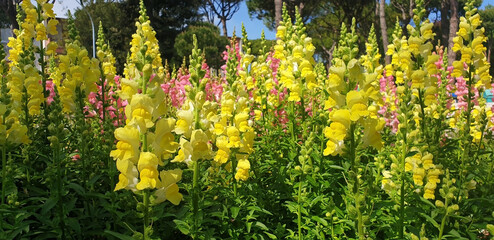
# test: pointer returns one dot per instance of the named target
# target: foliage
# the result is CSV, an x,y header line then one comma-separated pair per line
x,y
264,10
116,25
209,40
169,18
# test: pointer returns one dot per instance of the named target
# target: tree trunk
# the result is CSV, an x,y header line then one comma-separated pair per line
x,y
453,28
223,22
11,12
444,22
384,30
489,48
300,8
277,12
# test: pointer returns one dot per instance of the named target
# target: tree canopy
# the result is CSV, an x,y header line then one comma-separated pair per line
x,y
168,18
208,39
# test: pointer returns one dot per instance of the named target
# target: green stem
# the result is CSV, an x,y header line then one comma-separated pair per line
x,y
234,167
402,207
356,185
422,115
82,127
195,198
466,133
43,67
146,214
60,203
491,169
299,211
292,121
443,221
4,171
4,178
404,151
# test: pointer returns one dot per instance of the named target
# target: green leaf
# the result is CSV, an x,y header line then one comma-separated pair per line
x,y
455,234
336,167
234,211
272,236
292,207
182,226
431,220
262,226
490,227
119,235
77,188
320,220
49,204
249,226
427,202
74,224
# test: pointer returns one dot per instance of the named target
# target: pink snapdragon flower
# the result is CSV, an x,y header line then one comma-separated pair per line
x,y
50,87
175,88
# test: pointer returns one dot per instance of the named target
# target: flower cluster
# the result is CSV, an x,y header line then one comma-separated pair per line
x,y
295,51
354,96
146,139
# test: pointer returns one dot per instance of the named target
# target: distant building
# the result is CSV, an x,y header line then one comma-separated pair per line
x,y
5,33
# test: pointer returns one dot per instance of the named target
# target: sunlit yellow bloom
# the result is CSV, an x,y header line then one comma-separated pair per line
x,y
48,10
51,48
164,139
418,176
243,167
223,152
52,27
233,137
41,32
200,145
167,188
336,131
127,145
281,31
139,112
147,166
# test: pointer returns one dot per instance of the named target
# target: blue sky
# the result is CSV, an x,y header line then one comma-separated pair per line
x,y
253,26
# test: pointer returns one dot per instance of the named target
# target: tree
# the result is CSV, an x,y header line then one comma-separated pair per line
x,y
224,10
384,29
266,10
451,10
277,12
9,12
117,27
208,39
324,26
487,16
453,28
168,18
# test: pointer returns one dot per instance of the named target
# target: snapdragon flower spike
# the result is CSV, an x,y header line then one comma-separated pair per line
x,y
354,98
12,131
233,130
194,118
471,71
175,87
24,84
105,56
77,73
422,97
422,167
295,51
114,107
146,139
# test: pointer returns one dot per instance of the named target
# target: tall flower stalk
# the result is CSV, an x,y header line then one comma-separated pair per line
x,y
146,141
